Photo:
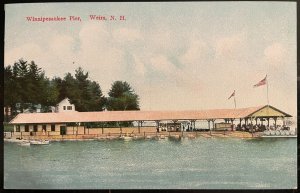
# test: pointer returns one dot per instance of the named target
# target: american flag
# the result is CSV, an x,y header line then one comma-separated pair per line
x,y
233,94
262,82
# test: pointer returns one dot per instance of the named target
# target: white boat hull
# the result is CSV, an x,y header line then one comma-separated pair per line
x,y
24,144
39,142
127,138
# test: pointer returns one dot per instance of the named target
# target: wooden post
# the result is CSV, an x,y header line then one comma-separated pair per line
x,y
102,129
76,129
251,128
139,127
251,119
275,119
194,122
192,127
209,126
83,128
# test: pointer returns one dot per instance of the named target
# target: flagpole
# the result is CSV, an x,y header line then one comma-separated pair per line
x,y
234,102
268,92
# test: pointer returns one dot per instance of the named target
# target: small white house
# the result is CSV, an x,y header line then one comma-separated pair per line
x,y
64,106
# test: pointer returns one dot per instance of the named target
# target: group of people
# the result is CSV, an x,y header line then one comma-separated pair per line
x,y
260,127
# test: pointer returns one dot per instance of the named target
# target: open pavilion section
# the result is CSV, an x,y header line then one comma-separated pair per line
x,y
79,123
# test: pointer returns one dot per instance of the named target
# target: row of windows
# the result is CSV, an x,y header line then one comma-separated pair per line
x,y
35,128
68,107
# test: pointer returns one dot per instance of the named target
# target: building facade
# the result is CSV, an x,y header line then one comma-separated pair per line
x,y
65,106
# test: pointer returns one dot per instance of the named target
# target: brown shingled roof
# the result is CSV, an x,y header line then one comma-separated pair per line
x,y
106,116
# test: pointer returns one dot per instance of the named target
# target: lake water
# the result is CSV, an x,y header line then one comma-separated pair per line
x,y
201,163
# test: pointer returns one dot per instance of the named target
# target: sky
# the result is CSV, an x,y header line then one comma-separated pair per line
x,y
175,55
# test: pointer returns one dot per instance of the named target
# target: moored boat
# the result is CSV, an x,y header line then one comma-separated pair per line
x,y
24,143
39,142
127,138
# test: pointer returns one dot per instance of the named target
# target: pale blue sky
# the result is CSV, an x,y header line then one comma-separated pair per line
x,y
177,56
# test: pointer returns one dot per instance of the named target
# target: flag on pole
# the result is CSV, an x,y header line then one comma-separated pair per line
x,y
233,94
262,82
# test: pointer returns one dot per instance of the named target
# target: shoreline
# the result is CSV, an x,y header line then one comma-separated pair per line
x,y
144,136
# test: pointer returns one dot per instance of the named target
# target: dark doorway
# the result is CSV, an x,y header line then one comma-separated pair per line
x,y
63,130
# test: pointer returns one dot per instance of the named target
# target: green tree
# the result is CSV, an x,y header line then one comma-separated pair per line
x,y
122,97
26,86
10,95
50,94
85,94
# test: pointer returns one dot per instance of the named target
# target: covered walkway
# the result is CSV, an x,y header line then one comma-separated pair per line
x,y
260,115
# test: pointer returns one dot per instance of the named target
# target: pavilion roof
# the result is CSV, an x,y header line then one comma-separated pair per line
x,y
106,116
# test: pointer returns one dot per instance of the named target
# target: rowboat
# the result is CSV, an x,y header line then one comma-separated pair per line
x,y
24,143
126,137
39,142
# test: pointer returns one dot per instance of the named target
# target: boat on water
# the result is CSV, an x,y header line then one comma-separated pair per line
x,y
136,137
126,137
39,142
24,143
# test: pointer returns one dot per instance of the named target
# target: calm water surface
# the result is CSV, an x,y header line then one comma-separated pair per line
x,y
194,164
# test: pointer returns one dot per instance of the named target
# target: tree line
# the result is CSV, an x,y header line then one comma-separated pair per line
x,y
26,85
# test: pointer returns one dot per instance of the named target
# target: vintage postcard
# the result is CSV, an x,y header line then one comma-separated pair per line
x,y
150,95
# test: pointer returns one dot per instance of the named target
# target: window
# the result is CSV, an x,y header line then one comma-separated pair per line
x,y
35,128
17,128
44,127
64,108
69,107
26,128
53,127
